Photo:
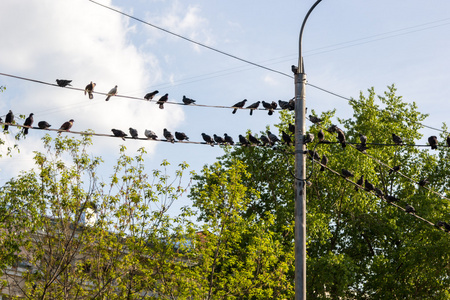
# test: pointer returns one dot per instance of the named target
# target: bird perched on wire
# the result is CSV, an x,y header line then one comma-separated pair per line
x,y
149,96
218,139
332,129
150,134
270,106
359,182
308,138
394,169
63,82
162,100
341,137
181,136
368,185
324,162
433,141
253,139
208,139
187,100
229,139
286,138
133,133
272,137
112,92
409,209
391,198
28,122
240,104
313,154
9,119
379,193
314,119
283,104
363,139
347,173
423,182
320,136
362,148
168,135
397,140
253,106
243,140
265,140
89,89
119,133
445,224
66,126
43,125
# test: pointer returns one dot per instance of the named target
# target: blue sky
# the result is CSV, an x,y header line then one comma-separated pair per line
x,y
349,46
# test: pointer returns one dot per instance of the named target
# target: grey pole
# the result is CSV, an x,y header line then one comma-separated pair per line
x,y
300,172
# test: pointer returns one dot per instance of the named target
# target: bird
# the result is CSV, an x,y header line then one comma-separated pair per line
x,y
181,136
274,106
397,140
265,140
391,198
218,139
313,154
228,139
43,125
187,100
133,133
341,137
162,100
243,140
324,162
253,106
314,119
320,136
272,137
362,148
294,69
66,126
379,193
9,119
168,135
394,169
150,134
283,104
28,122
409,209
347,173
286,138
363,139
208,139
359,182
89,89
269,106
432,140
368,185
332,129
308,138
149,96
291,128
240,104
111,93
63,82
423,182
445,224
448,141
291,105
253,139
119,133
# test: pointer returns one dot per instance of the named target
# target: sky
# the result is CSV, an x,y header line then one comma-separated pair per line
x,y
348,47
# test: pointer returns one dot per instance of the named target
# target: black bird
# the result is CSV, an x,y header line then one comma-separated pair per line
x,y
162,100
119,133
243,140
324,161
432,140
168,135
133,133
341,137
274,106
362,148
111,93
397,140
89,89
363,139
448,141
253,139
150,134
272,137
149,96
291,128
394,169
294,69
291,105
286,138
28,122
269,106
320,136
409,209
423,182
283,104
379,193
187,100
265,140
332,129
314,119
9,119
240,104
369,186
228,139
390,198
347,173
445,224
208,139
181,136
308,138
359,182
314,154
218,139
63,82
43,125
66,126
253,107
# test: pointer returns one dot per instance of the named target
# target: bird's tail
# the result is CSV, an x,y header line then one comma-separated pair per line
x,y
270,112
251,112
25,130
107,98
161,105
91,96
343,144
234,110
6,128
322,168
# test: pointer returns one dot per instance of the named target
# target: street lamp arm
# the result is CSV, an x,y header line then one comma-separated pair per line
x,y
300,56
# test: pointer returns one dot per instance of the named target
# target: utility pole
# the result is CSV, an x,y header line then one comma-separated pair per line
x,y
300,172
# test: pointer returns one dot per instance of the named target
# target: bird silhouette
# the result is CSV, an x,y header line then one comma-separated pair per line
x,y
341,137
286,138
229,139
390,198
433,141
111,93
332,129
265,140
283,104
149,96
162,100
291,128
8,119
323,161
66,126
423,182
315,120
269,106
308,138
133,133
150,134
43,125
379,193
243,140
181,136
28,122
63,82
208,139
168,135
363,139
410,209
272,137
394,169
347,173
218,139
397,140
320,136
253,139
89,89
119,133
187,100
253,106
368,185
240,104
359,182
